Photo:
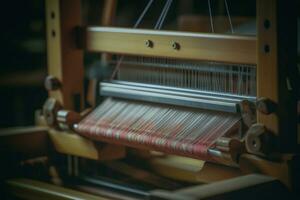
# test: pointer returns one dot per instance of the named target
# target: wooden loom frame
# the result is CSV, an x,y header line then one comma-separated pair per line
x,y
273,51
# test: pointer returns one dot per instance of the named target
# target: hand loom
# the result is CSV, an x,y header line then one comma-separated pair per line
x,y
226,101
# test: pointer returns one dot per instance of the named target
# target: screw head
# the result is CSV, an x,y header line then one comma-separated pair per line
x,y
175,46
149,43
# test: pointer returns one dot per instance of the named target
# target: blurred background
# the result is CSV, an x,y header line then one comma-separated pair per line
x,y
23,45
22,61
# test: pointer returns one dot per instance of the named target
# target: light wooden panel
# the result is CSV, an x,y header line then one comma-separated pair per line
x,y
191,170
64,60
76,145
267,68
209,47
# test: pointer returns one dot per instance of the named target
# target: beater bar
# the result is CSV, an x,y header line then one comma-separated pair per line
x,y
171,95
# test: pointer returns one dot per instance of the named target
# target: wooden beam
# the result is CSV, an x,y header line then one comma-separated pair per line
x,y
108,15
277,69
267,69
64,60
31,189
204,46
109,10
254,164
252,186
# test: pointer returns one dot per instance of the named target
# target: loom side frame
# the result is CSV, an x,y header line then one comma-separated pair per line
x,y
64,60
277,76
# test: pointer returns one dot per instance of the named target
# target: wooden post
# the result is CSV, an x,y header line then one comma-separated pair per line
x,y
108,15
277,69
65,61
109,10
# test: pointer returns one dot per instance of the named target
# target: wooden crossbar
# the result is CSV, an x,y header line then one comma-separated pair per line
x,y
171,44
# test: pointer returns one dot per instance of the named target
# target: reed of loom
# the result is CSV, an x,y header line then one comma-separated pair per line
x,y
272,54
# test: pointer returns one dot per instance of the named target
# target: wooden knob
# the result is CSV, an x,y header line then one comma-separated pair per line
x,y
260,141
265,106
253,141
52,83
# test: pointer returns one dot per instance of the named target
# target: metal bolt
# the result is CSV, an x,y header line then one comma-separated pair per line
x,y
149,43
175,46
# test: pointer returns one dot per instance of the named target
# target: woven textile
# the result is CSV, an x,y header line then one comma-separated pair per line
x,y
169,129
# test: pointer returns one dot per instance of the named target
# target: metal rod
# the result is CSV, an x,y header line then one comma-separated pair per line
x,y
223,96
173,97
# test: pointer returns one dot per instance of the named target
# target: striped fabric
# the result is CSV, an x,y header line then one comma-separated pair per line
x,y
157,127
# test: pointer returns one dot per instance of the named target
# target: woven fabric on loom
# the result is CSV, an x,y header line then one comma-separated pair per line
x,y
169,129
